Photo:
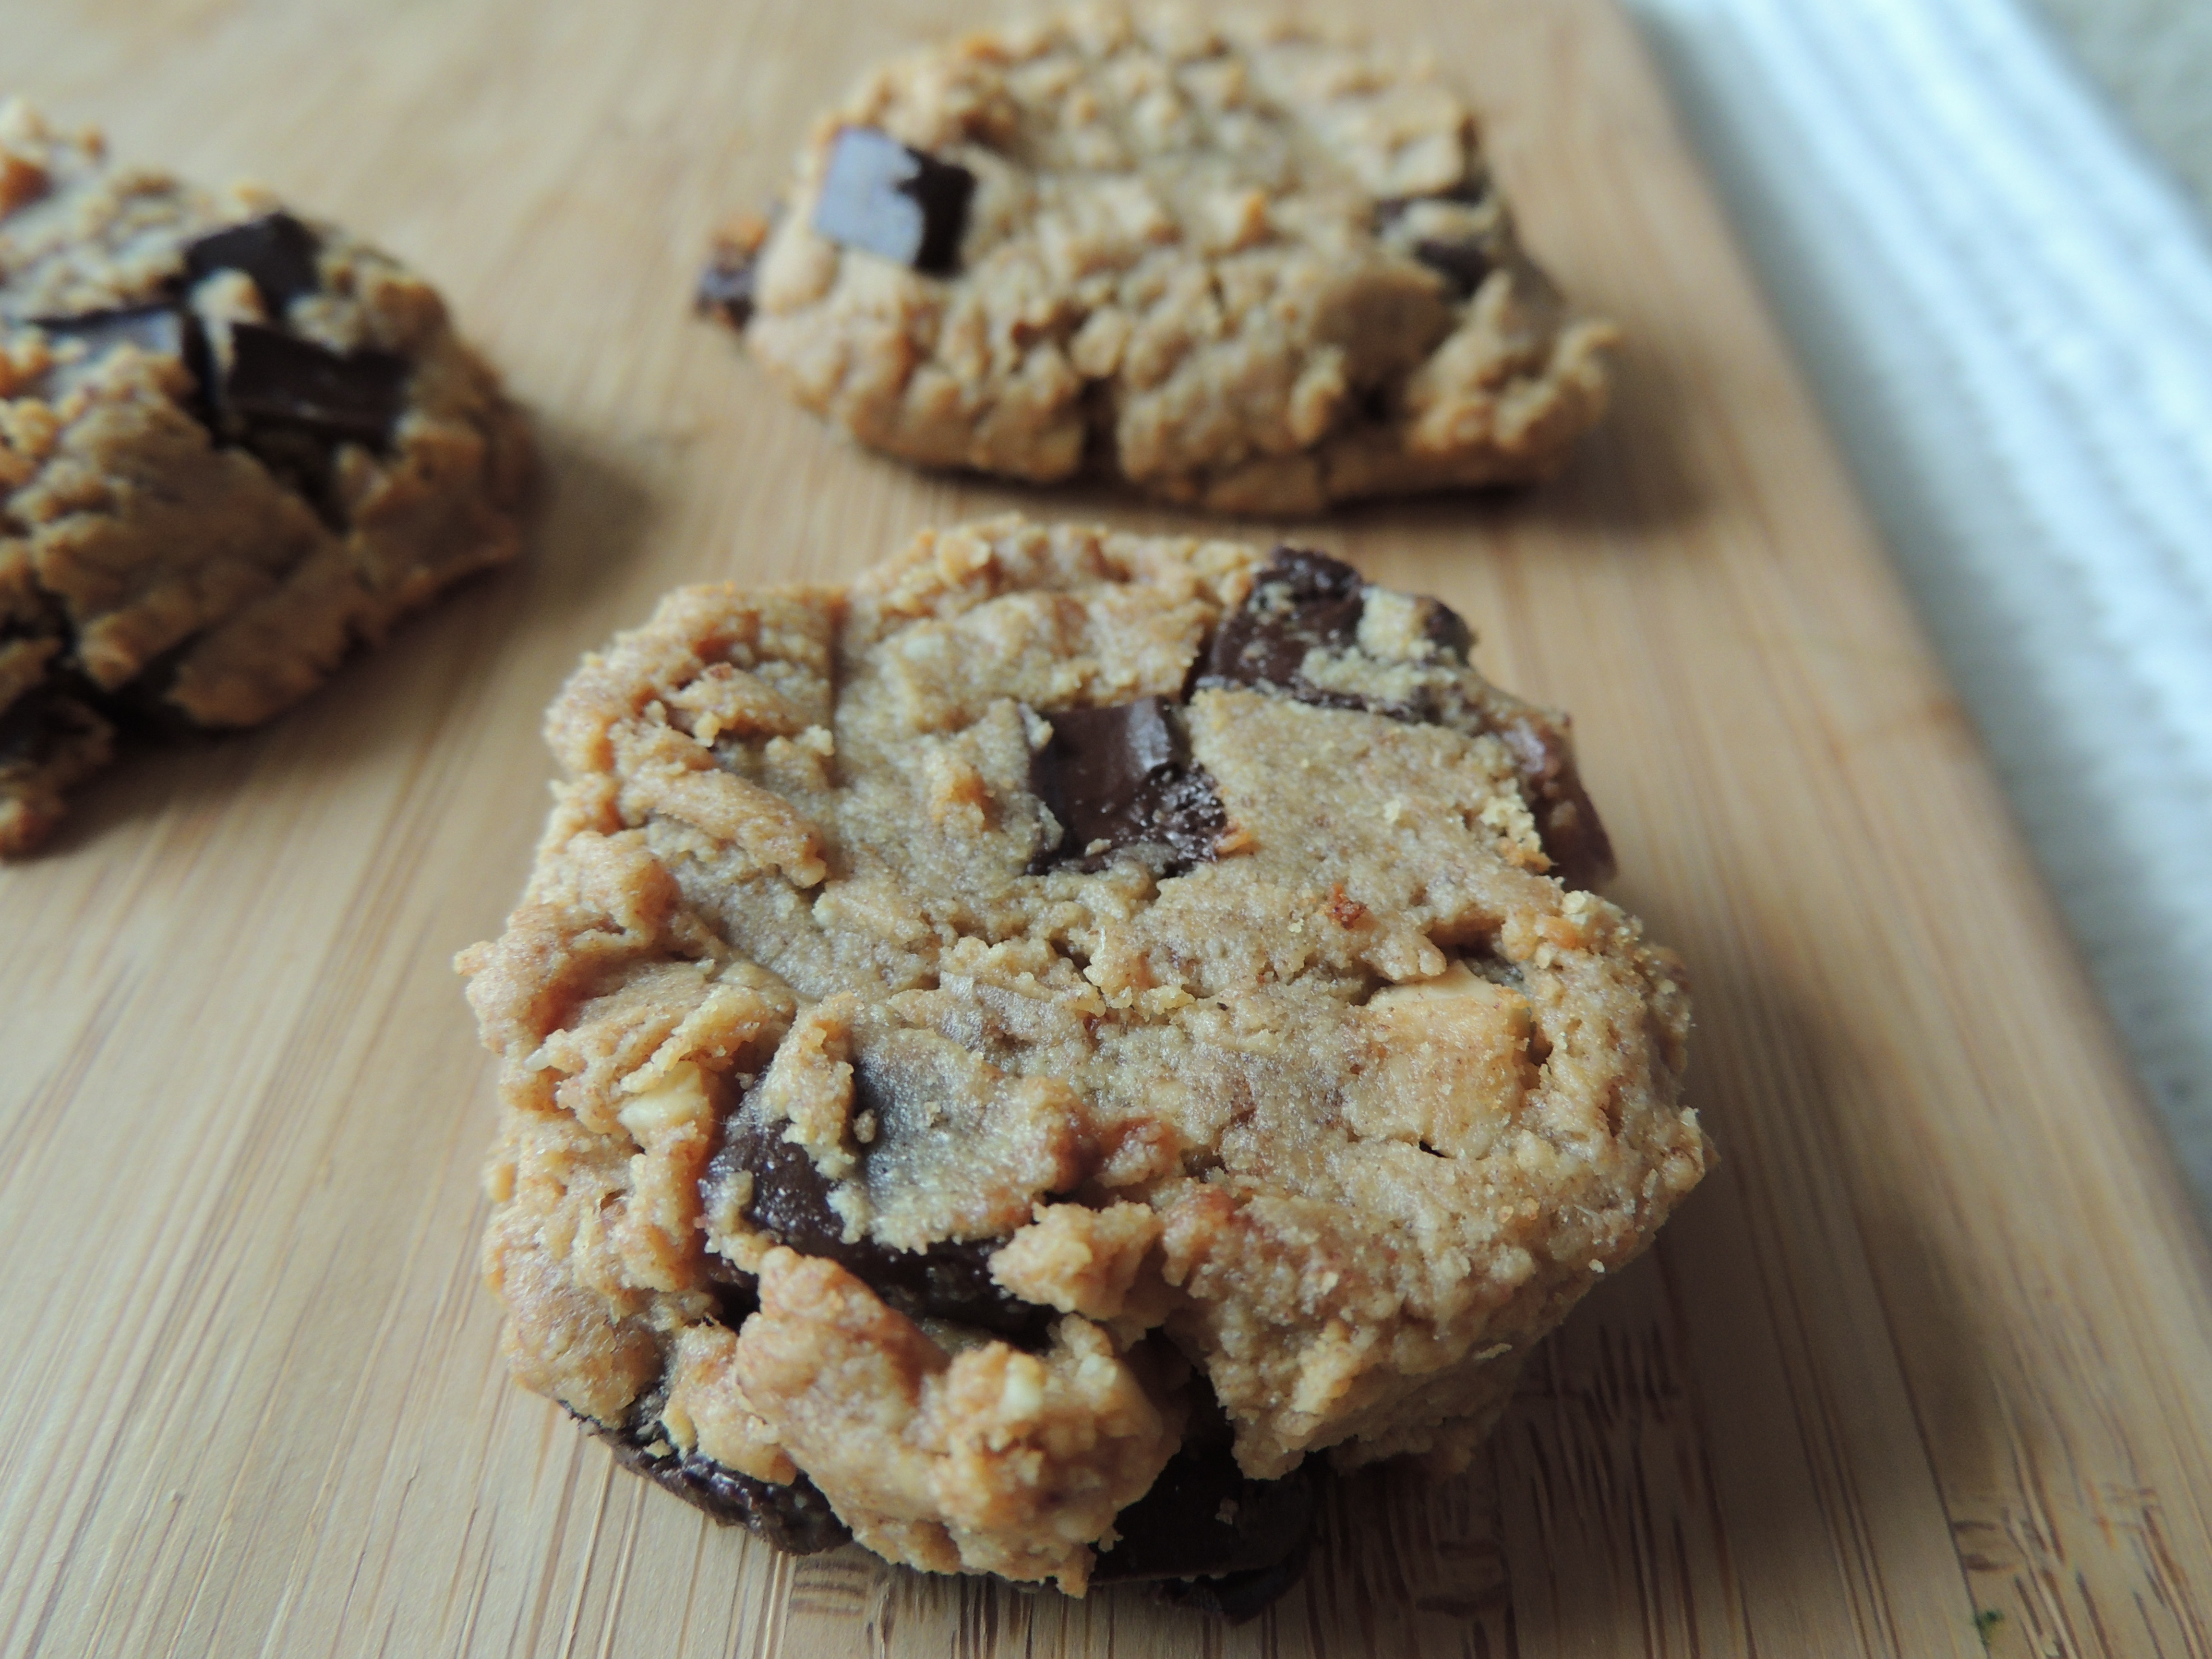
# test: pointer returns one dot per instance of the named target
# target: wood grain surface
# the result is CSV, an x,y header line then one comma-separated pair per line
x,y
1924,1368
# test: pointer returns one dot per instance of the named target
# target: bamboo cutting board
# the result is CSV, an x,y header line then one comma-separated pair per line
x,y
1925,1367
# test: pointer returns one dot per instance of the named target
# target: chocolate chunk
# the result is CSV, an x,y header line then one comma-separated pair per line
x,y
1302,602
141,706
161,329
791,1201
1235,1598
726,286
796,1518
199,358
40,724
1123,777
1208,1535
157,329
287,400
1462,263
304,462
882,197
791,1197
1566,819
737,1293
276,251
1462,260
1205,1516
1447,630
282,380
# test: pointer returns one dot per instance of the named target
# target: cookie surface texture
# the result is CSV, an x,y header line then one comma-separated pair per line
x,y
1258,270
1070,1020
234,444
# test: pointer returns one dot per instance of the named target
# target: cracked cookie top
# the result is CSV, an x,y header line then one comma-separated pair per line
x,y
981,1042
1257,268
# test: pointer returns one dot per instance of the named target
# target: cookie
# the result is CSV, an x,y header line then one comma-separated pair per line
x,y
1014,1057
234,443
1259,269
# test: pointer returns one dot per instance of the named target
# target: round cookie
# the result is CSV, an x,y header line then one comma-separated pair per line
x,y
1069,1021
1256,269
233,444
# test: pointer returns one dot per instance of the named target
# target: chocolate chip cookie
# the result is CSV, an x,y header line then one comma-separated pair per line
x,y
1255,268
1012,1057
234,443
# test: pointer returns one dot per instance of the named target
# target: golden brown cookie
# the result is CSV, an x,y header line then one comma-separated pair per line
x,y
233,444
1071,1021
1257,269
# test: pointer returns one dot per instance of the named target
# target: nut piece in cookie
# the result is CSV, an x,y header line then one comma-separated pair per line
x,y
234,445
1026,1052
1246,267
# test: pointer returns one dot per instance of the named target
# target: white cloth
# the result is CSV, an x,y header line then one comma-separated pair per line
x,y
2005,309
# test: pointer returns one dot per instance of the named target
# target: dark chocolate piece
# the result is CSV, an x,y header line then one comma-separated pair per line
x,y
304,461
1302,601
1446,629
199,358
1235,1598
158,329
276,251
1305,601
1204,1515
141,706
726,286
283,380
1235,1544
38,725
161,329
1566,819
791,1199
1123,776
1462,261
796,1518
884,198
737,1293
288,399
1463,264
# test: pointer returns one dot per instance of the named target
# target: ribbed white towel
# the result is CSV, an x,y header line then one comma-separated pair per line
x,y
2005,309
